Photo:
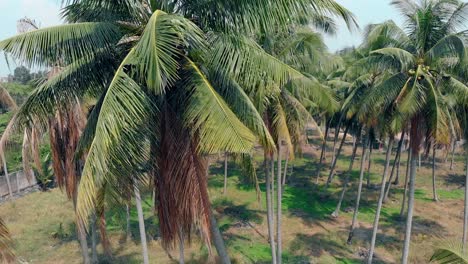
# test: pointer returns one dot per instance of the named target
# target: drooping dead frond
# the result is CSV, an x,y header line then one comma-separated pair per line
x,y
181,184
65,130
6,252
6,101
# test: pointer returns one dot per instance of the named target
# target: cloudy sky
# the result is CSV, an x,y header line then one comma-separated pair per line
x,y
47,12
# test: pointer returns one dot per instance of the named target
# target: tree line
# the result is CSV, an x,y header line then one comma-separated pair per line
x,y
140,93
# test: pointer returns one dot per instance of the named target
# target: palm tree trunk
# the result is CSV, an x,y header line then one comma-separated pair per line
x,y
225,172
465,211
94,258
322,153
7,177
381,196
128,233
103,233
218,241
434,190
346,182
369,165
365,151
397,178
278,209
285,168
395,162
336,136
409,218
454,143
332,169
403,202
419,162
141,223
269,207
181,246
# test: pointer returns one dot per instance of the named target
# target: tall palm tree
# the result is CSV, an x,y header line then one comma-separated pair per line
x,y
175,74
430,45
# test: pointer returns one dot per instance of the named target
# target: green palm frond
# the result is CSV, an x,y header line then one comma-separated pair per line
x,y
158,52
405,59
251,16
449,253
451,46
124,115
457,88
88,76
250,65
244,108
217,126
62,44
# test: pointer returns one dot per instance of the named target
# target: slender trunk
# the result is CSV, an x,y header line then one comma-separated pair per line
x,y
141,223
336,136
405,191
7,177
409,218
218,241
129,234
379,205
322,153
434,190
395,162
354,141
397,178
345,184
419,163
369,165
272,181
269,207
94,258
285,168
106,245
278,209
81,234
181,246
465,211
454,144
225,172
364,154
332,169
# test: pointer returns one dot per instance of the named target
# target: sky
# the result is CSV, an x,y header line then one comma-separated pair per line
x,y
47,13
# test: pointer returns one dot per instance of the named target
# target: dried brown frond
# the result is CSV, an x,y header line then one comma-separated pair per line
x,y
181,185
65,129
6,252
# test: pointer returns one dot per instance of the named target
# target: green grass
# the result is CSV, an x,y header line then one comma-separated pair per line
x,y
309,233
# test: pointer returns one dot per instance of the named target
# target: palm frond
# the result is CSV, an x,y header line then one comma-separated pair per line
x,y
449,253
6,253
217,126
158,52
123,117
61,44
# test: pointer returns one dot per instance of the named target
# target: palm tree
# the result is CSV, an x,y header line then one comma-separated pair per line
x,y
430,45
177,89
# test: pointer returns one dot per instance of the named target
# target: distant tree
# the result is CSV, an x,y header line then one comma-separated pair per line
x,y
22,75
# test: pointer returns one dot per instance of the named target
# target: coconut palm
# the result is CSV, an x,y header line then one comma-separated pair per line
x,y
431,45
175,74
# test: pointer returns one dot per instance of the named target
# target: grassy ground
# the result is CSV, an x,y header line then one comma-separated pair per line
x,y
42,223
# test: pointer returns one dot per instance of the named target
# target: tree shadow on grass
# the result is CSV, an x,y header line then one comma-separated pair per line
x,y
455,179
